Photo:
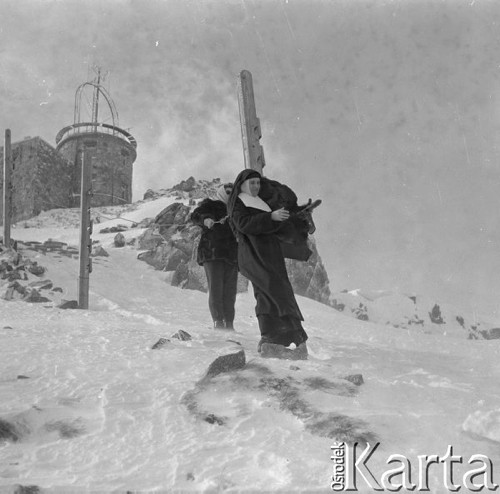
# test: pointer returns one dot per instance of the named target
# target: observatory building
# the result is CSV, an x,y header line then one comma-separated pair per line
x,y
46,178
96,139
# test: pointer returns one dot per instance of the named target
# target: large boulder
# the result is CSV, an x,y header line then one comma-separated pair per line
x,y
309,278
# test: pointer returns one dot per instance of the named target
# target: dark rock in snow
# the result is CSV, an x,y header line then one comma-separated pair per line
x,y
337,305
356,379
485,334
213,419
119,240
226,363
68,304
41,284
15,291
99,251
435,315
33,296
182,335
114,229
26,489
150,194
160,343
35,269
186,185
8,432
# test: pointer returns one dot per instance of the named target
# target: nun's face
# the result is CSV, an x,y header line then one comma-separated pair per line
x,y
251,186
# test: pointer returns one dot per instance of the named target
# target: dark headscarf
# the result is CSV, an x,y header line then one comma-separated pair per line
x,y
242,177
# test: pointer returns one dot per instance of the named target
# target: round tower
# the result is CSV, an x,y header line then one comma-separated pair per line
x,y
110,149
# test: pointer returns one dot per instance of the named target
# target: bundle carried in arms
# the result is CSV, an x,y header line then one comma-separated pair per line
x,y
294,232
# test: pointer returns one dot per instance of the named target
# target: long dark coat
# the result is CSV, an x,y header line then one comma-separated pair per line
x,y
260,259
217,243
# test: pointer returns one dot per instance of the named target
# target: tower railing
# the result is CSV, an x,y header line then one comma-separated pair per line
x,y
79,129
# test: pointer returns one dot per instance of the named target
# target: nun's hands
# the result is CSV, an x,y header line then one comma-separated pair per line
x,y
280,215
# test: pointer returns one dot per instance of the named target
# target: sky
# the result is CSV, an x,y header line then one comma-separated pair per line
x,y
98,410
388,111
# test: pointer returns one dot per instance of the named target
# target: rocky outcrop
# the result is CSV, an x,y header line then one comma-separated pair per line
x,y
23,279
309,278
171,241
413,313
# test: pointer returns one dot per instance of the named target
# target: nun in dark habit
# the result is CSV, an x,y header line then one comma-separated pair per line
x,y
260,259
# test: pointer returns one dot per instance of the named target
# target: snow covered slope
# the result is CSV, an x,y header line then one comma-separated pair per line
x,y
93,408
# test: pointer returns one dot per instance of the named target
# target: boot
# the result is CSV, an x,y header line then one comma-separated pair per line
x,y
229,325
300,352
272,350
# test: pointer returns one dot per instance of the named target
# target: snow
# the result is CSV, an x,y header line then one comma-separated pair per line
x,y
101,411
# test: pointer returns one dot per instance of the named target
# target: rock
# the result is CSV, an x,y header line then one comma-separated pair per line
x,y
35,269
435,315
41,284
54,244
160,343
12,275
145,223
8,432
337,305
26,489
114,229
14,293
99,251
213,419
68,304
33,296
150,194
17,287
119,240
180,274
149,240
356,379
171,242
226,363
186,185
174,214
489,334
182,335
309,278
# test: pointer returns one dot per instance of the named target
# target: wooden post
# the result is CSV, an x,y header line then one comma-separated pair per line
x,y
85,232
250,124
7,189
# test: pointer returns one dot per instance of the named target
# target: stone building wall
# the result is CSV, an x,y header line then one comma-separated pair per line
x,y
41,179
112,166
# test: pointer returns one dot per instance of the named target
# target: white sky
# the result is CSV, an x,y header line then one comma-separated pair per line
x,y
387,110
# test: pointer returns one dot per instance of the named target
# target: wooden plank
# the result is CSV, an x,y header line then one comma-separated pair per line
x,y
7,188
250,124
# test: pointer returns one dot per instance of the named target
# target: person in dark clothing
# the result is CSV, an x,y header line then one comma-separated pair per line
x,y
260,259
217,253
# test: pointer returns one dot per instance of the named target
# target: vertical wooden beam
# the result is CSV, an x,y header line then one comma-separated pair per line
x,y
7,188
250,124
85,232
